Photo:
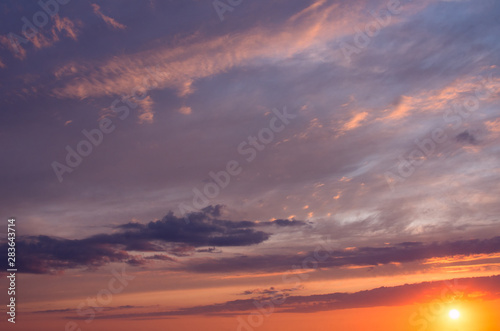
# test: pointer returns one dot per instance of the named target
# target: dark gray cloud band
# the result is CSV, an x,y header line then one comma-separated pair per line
x,y
172,235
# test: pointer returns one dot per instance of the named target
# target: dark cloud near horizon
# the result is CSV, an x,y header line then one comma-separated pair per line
x,y
291,222
478,288
43,254
173,235
212,250
270,291
203,228
364,256
67,310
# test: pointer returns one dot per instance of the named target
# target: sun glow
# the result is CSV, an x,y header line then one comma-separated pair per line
x,y
454,314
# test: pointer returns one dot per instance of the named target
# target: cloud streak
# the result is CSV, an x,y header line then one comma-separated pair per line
x,y
362,256
479,288
109,21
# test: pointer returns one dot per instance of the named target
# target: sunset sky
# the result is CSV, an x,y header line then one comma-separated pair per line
x,y
251,165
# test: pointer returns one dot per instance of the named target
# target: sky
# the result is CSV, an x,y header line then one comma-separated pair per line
x,y
251,165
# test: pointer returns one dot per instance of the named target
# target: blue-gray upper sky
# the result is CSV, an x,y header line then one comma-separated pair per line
x,y
206,85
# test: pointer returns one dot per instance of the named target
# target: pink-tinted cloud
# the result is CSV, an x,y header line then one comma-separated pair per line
x,y
146,113
109,21
13,46
179,66
43,39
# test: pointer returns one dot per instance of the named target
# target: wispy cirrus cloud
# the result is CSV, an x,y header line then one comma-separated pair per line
x,y
43,38
186,63
109,21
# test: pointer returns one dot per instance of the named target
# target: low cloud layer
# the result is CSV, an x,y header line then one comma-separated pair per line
x,y
173,235
362,256
444,292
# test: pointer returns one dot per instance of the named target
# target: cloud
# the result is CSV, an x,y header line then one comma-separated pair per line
x,y
269,291
203,229
362,256
257,68
479,288
207,230
292,222
185,110
402,109
146,114
13,46
209,250
160,257
43,38
355,122
109,21
98,308
66,26
173,235
466,138
200,56
493,125
43,254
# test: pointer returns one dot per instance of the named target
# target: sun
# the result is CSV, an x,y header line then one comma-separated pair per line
x,y
454,314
